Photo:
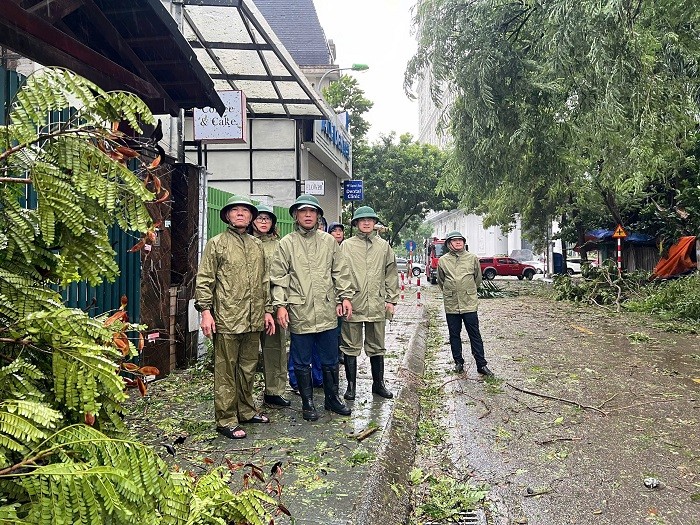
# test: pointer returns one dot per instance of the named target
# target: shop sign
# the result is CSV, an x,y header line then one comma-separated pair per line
x,y
210,127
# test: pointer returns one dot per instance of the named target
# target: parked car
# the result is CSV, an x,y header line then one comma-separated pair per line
x,y
493,266
573,266
402,266
538,265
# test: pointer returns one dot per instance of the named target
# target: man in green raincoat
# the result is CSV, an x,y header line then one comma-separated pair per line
x,y
459,276
232,295
373,267
311,288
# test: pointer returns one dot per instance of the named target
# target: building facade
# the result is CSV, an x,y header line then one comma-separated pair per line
x,y
278,159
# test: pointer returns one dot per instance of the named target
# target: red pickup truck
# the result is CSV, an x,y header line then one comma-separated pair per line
x,y
493,266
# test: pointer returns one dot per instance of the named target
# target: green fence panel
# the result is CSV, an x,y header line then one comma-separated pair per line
x,y
285,223
216,200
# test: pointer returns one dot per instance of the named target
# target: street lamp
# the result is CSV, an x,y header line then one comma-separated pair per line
x,y
354,67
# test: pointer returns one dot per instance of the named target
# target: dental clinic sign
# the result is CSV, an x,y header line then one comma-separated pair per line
x,y
334,140
210,127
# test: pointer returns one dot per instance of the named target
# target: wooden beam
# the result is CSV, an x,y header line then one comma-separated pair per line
x,y
34,38
115,39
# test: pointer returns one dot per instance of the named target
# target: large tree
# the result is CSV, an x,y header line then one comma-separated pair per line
x,y
400,181
563,108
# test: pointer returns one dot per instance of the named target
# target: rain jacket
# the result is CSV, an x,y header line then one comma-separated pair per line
x,y
310,277
459,276
233,283
270,242
373,267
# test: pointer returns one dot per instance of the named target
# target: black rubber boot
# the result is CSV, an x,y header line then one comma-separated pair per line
x,y
377,363
351,376
306,390
333,402
341,357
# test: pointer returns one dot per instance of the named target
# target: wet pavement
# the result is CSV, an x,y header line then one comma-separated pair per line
x,y
587,404
325,467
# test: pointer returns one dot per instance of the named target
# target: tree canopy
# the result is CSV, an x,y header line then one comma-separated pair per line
x,y
583,110
346,95
400,181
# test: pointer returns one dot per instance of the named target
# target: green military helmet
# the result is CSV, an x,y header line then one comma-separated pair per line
x,y
304,201
363,212
455,235
237,200
264,208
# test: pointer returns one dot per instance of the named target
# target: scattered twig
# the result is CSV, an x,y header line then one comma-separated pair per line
x,y
529,493
361,436
554,440
608,400
546,396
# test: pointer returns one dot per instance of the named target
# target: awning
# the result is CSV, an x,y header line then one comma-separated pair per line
x,y
239,50
133,45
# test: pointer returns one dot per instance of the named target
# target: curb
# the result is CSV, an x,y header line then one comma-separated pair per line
x,y
384,500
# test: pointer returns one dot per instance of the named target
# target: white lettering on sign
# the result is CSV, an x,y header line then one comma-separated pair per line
x,y
315,187
210,127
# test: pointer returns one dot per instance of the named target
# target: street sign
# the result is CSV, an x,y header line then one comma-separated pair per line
x,y
353,190
410,246
620,232
315,187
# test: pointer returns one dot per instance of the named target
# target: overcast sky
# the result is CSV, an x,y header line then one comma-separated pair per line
x,y
376,33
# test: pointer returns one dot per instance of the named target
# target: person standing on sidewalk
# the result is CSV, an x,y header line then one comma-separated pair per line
x,y
459,276
311,287
337,230
373,267
232,293
274,347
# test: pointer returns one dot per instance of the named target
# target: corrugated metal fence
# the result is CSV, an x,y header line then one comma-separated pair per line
x,y
216,200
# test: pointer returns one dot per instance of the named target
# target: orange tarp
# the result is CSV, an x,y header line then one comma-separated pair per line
x,y
677,261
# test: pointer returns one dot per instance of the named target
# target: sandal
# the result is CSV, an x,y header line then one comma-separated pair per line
x,y
232,432
257,418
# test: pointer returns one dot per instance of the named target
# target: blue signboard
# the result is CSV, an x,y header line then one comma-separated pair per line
x,y
410,246
353,190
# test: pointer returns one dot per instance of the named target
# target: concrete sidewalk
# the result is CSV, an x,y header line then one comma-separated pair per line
x,y
329,476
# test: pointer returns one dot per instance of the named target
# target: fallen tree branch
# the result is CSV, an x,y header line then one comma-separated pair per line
x,y
554,440
547,396
361,436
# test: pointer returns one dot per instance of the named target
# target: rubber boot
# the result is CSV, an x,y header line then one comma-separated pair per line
x,y
333,402
377,364
306,390
351,376
341,356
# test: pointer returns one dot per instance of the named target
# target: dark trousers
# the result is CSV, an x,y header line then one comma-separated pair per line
x,y
316,372
471,323
302,346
